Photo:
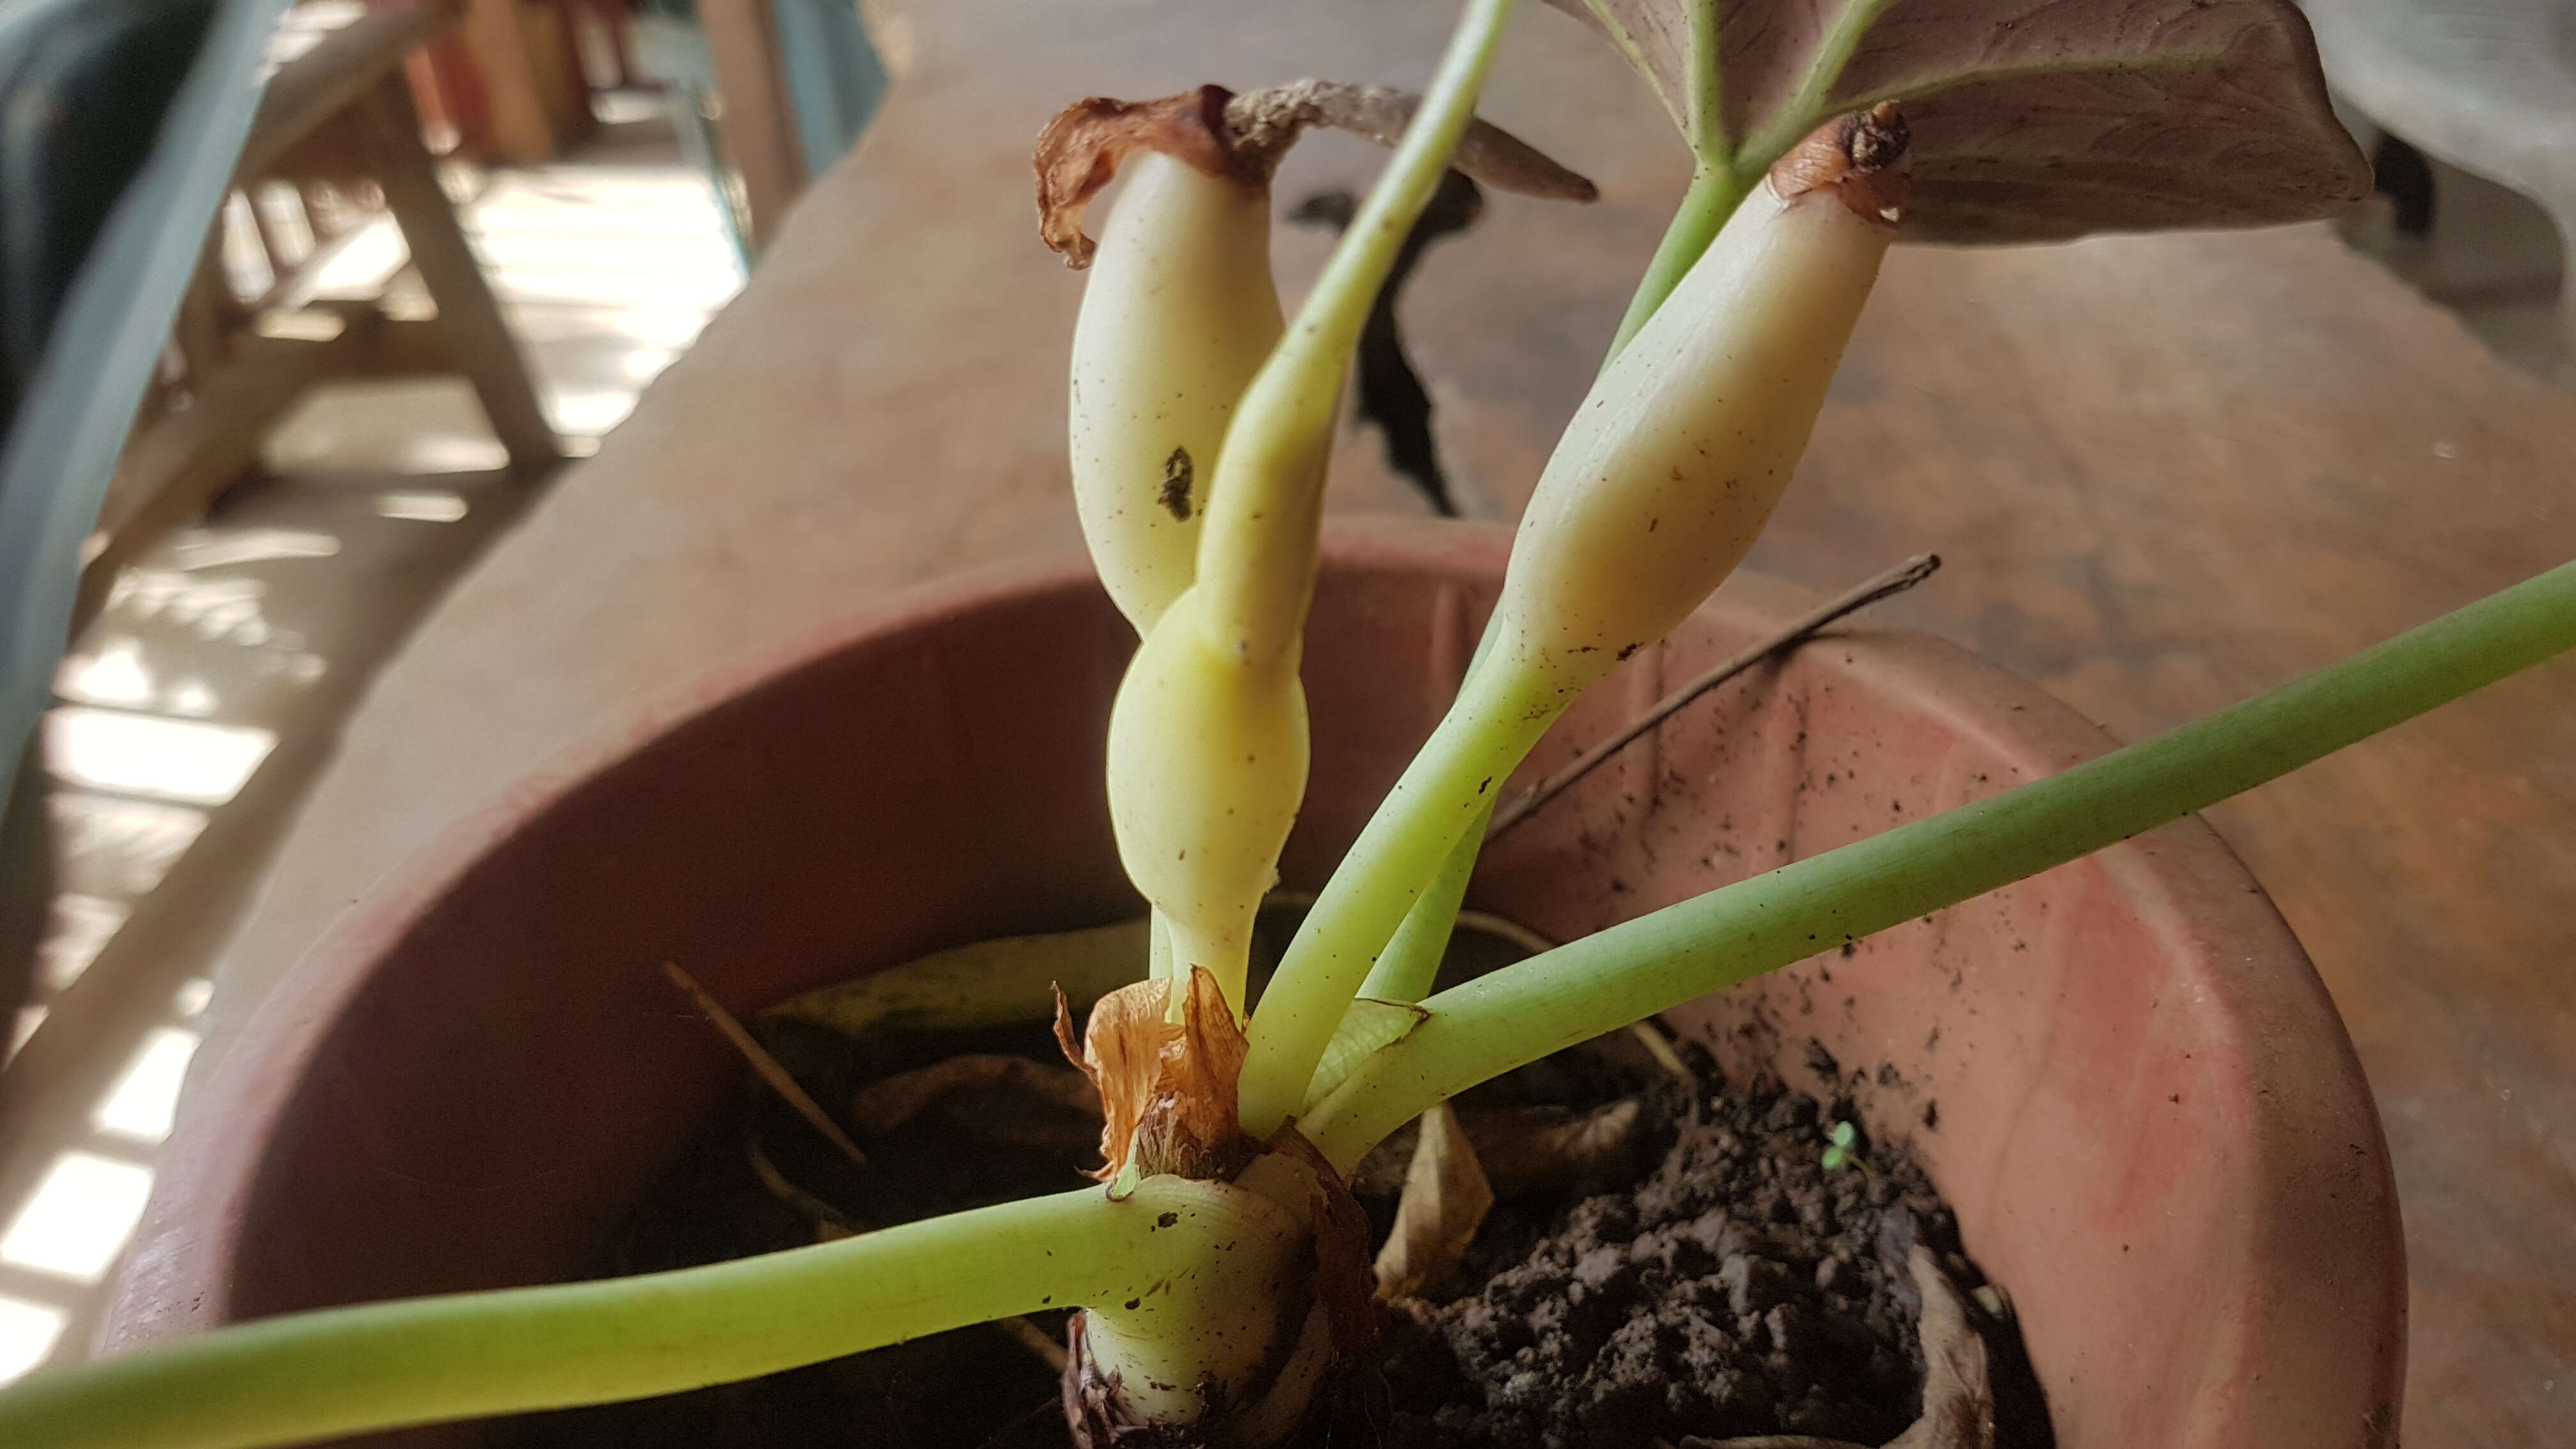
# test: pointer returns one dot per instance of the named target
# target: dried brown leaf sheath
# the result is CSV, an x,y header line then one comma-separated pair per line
x,y
1080,151
1958,1396
1241,138
1263,124
1343,1281
1166,1088
1861,156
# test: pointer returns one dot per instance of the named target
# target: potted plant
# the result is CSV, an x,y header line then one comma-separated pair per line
x,y
1222,1281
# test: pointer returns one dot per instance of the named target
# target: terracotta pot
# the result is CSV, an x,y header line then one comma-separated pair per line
x,y
2124,1074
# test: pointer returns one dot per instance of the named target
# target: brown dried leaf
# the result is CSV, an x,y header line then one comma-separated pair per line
x,y
1264,123
884,1106
1167,1089
1445,1200
1958,1401
1121,1051
2031,123
1527,1149
1080,151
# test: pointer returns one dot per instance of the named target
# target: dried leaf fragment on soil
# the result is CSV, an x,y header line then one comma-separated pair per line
x,y
1532,1149
1958,1400
885,1106
1445,1200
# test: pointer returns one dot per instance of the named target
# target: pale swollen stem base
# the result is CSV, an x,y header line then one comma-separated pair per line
x,y
1486,1027
1201,836
343,1371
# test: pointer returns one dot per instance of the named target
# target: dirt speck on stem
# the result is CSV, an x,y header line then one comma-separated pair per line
x,y
1178,476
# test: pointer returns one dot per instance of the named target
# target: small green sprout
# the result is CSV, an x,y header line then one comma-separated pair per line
x,y
1845,1151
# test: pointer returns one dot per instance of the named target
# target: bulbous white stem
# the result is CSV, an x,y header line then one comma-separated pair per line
x,y
1230,1349
1654,494
1207,765
1177,316
1676,459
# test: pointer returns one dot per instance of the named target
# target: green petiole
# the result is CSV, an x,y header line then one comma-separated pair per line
x,y
1207,740
1723,177
1499,715
1631,971
1716,189
1257,548
429,1360
1405,969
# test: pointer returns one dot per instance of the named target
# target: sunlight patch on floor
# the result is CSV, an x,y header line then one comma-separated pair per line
x,y
192,762
79,1217
27,1335
144,1103
200,663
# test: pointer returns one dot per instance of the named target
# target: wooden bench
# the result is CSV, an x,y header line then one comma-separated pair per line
x,y
339,113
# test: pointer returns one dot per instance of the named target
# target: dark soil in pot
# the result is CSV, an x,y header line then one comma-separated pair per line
x,y
1667,1262
1740,1288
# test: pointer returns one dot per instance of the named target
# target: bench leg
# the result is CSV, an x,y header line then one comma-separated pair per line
x,y
2564,219
467,312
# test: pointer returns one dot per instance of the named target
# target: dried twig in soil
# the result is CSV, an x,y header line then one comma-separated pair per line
x,y
764,1065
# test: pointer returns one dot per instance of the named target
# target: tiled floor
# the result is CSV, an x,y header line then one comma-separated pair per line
x,y
204,698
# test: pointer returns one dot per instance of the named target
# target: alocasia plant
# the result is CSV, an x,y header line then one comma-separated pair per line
x,y
1221,1269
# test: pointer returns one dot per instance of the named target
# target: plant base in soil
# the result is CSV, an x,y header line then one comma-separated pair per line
x,y
1665,1263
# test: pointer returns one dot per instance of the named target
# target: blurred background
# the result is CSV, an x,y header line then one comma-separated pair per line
x,y
382,355
325,572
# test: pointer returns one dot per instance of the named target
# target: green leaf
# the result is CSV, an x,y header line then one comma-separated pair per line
x,y
2031,122
987,983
